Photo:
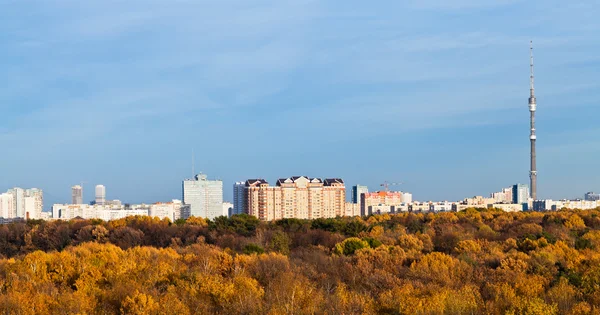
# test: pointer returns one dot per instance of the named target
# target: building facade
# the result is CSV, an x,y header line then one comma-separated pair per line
x,y
162,210
239,196
18,202
520,194
204,196
508,207
227,209
591,196
299,197
104,212
26,203
370,202
478,201
100,195
548,204
407,197
357,191
7,206
77,195
352,209
504,196
441,206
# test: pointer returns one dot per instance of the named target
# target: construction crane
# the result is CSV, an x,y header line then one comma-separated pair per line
x,y
386,185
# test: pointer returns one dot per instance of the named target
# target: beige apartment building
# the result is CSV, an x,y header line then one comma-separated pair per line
x,y
298,197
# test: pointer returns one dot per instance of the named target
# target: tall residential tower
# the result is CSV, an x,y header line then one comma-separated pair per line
x,y
239,196
100,194
77,195
532,137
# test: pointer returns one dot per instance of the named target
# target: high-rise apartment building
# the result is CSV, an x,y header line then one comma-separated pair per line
x,y
26,203
100,194
34,203
299,197
520,193
77,195
18,202
204,196
7,206
239,195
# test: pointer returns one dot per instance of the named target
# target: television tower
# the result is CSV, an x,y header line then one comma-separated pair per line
x,y
532,137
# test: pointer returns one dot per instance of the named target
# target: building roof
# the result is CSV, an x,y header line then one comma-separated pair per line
x,y
329,181
257,181
293,179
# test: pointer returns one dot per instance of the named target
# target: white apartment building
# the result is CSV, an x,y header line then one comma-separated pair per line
x,y
508,207
26,203
227,209
403,207
18,202
104,212
204,196
541,205
182,211
479,201
504,196
172,210
407,197
419,206
381,209
352,209
77,195
100,194
162,210
7,206
442,206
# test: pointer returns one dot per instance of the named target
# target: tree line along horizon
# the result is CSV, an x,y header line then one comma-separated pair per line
x,y
477,261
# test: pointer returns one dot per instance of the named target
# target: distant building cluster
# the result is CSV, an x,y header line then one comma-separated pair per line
x,y
201,197
542,205
300,197
172,210
19,203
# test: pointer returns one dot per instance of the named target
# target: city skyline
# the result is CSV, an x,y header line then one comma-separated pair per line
x,y
408,107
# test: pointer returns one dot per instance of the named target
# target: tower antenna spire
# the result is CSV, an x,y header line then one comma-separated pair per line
x,y
532,136
531,88
193,164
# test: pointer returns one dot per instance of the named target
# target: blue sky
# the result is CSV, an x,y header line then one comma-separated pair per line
x,y
431,93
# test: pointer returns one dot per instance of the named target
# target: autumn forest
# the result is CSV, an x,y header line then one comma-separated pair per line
x,y
471,262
